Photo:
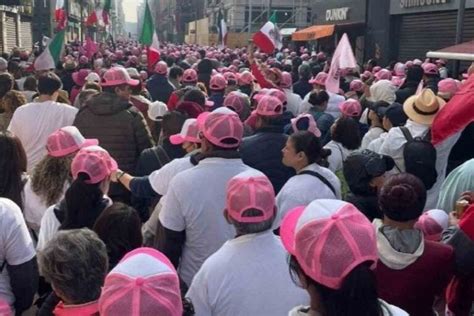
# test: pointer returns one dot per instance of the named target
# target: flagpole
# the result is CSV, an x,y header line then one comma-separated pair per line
x,y
250,18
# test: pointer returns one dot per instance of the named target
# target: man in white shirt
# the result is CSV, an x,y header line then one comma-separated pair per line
x,y
293,100
248,275
32,123
18,268
421,110
191,225
319,83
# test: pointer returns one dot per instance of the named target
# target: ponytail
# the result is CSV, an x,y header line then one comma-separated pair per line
x,y
83,204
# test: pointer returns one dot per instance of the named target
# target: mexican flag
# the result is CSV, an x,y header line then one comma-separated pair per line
x,y
268,38
50,56
149,38
222,27
60,15
100,16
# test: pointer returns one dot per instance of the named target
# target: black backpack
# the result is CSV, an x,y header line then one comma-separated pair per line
x,y
420,157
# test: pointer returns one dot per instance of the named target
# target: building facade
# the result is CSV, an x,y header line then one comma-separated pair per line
x,y
15,27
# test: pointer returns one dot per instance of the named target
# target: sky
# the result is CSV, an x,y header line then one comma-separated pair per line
x,y
130,10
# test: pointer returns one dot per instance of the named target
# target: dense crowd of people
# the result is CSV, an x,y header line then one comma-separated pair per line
x,y
232,182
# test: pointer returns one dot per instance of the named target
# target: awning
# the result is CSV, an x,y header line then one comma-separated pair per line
x,y
313,33
463,51
287,31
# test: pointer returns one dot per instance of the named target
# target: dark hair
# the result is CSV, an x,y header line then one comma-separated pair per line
x,y
13,100
175,72
137,89
172,123
346,132
308,143
402,197
49,83
12,166
318,98
6,84
31,84
252,228
111,89
119,227
270,120
195,95
356,296
415,73
372,62
84,203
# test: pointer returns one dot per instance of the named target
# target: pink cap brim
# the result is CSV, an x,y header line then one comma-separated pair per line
x,y
288,227
177,139
70,150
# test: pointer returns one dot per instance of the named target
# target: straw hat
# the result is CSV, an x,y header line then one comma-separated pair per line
x,y
422,108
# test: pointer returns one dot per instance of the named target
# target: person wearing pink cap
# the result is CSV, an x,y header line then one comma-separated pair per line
x,y
333,254
239,102
188,80
51,177
431,77
75,264
447,88
245,82
217,86
412,271
304,153
158,85
190,220
19,277
32,123
262,150
86,197
143,283
79,78
293,99
120,128
248,275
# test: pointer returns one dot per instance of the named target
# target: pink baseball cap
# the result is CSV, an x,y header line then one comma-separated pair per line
x,y
161,68
143,283
231,77
237,101
189,133
286,80
432,223
190,75
384,74
218,82
308,121
79,77
329,238
447,88
94,161
67,140
117,76
366,75
376,69
246,78
250,190
222,127
351,108
430,69
356,85
319,79
269,106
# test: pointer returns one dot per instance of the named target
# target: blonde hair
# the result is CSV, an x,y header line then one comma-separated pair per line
x,y
49,177
13,100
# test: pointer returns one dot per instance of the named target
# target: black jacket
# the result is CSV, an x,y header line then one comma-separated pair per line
x,y
407,90
302,88
120,129
262,151
367,205
160,88
432,83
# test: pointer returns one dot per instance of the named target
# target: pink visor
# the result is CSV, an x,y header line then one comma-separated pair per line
x,y
116,76
250,191
95,162
143,283
222,127
189,133
67,140
329,238
310,122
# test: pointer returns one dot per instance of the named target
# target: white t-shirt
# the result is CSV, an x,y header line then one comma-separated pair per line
x,y
34,207
302,189
293,102
16,246
49,227
373,134
194,203
248,275
376,144
161,178
333,104
34,122
339,153
389,310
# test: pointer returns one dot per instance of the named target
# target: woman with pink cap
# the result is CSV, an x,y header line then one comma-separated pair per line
x,y
52,176
333,254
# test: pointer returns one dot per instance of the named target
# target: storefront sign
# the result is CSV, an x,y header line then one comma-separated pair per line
x,y
339,14
421,3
